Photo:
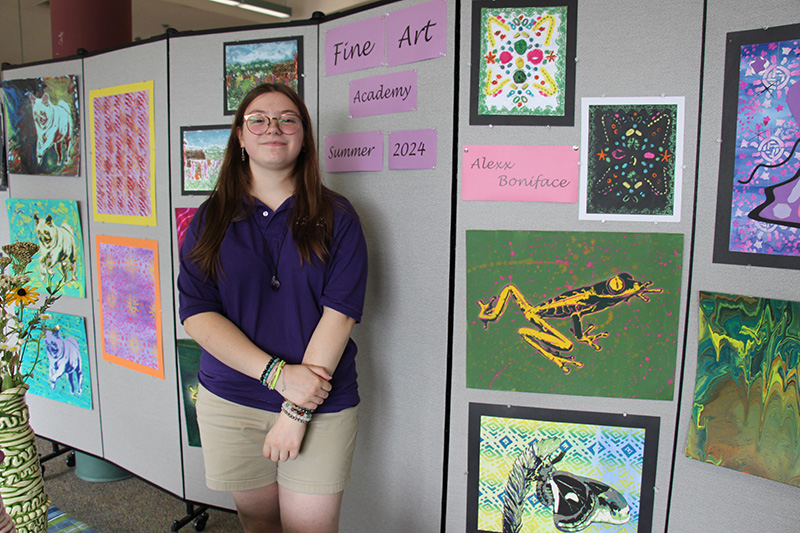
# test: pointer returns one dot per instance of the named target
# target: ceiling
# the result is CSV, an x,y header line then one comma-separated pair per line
x,y
25,24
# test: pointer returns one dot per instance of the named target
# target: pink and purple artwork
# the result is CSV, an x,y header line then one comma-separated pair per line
x,y
183,215
130,303
758,207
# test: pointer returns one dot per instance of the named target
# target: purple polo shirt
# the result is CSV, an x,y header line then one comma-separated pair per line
x,y
279,322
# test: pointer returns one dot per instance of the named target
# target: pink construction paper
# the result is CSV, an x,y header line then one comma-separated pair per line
x,y
355,46
416,33
412,149
520,173
354,152
381,95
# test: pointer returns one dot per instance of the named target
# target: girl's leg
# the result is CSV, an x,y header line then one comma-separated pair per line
x,y
309,513
258,509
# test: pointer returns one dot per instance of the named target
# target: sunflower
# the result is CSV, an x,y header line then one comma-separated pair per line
x,y
22,296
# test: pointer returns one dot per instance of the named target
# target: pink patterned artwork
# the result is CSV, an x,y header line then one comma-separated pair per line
x,y
183,215
130,303
121,120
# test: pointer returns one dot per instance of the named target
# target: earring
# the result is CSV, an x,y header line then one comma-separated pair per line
x,y
244,157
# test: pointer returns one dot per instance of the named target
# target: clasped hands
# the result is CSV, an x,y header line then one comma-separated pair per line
x,y
304,385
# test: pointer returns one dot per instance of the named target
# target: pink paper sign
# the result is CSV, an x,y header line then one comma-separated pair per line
x,y
380,95
416,33
355,46
412,149
354,152
520,173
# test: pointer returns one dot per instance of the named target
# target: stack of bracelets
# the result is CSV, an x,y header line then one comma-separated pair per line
x,y
269,378
271,373
295,412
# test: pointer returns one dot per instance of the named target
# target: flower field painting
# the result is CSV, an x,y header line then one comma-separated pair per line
x,y
203,150
251,63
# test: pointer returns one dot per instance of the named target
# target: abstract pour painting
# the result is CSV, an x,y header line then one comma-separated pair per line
x,y
544,470
523,62
55,226
43,126
251,63
631,166
758,198
123,169
183,215
188,365
746,401
62,371
203,149
130,303
581,313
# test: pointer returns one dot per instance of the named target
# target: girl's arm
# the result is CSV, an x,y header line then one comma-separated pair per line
x,y
224,340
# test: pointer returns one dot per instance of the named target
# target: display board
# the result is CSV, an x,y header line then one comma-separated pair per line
x,y
541,230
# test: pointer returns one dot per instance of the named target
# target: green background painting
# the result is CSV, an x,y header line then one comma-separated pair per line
x,y
189,364
637,358
746,401
23,228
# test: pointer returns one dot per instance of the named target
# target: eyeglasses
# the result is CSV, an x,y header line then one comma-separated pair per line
x,y
258,123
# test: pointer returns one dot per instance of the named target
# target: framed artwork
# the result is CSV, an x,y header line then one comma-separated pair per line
x,y
251,63
56,227
523,62
62,371
189,365
43,126
578,313
758,209
3,140
545,470
183,215
744,414
123,165
203,150
632,161
130,303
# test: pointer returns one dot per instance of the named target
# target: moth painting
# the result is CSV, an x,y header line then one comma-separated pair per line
x,y
632,163
43,126
203,149
758,198
60,369
523,62
251,63
55,226
582,313
130,303
543,470
122,138
746,400
188,365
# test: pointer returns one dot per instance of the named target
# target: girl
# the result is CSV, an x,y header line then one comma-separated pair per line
x,y
272,279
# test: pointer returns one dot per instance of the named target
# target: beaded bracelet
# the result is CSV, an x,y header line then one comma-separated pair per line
x,y
268,369
297,413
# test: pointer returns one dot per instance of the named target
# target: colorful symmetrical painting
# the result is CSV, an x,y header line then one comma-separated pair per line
x,y
523,62
632,160
746,401
251,63
758,202
43,126
183,215
55,226
123,165
61,371
130,303
203,149
581,313
188,365
542,470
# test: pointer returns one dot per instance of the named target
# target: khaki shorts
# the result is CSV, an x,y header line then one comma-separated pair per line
x,y
233,436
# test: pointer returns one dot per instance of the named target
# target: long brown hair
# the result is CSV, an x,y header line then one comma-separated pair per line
x,y
312,221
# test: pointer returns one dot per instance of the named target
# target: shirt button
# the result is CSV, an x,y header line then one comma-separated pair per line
x,y
265,213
